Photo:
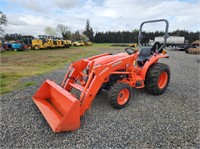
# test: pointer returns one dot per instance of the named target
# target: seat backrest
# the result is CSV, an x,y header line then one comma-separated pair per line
x,y
155,47
145,52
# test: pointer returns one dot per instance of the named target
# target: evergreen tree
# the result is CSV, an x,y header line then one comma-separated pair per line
x,y
89,31
132,37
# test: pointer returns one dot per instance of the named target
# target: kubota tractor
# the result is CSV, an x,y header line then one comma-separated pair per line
x,y
116,73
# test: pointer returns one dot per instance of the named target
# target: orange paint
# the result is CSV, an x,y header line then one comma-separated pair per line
x,y
63,110
123,96
162,80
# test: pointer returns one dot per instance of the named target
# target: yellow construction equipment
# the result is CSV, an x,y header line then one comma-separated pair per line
x,y
66,43
77,44
60,43
35,43
82,43
133,45
45,42
88,43
52,43
57,41
69,42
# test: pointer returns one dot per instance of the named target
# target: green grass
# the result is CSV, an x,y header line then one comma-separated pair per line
x,y
18,65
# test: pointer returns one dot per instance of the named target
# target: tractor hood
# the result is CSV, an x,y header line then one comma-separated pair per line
x,y
109,58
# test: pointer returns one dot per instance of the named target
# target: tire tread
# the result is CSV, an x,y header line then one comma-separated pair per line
x,y
113,93
152,77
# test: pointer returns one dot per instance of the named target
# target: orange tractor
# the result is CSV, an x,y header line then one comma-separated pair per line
x,y
116,73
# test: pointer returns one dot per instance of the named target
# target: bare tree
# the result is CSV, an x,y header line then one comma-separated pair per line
x,y
3,21
61,29
64,31
50,31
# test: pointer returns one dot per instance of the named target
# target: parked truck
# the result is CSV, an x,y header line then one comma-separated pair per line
x,y
177,42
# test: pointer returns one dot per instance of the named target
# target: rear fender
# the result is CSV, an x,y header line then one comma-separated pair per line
x,y
152,60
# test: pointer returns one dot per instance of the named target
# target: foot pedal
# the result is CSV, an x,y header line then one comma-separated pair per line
x,y
139,84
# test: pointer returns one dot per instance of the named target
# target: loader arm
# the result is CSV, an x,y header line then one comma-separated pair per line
x,y
97,76
100,74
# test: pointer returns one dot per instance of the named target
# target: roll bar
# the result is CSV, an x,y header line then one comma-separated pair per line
x,y
140,36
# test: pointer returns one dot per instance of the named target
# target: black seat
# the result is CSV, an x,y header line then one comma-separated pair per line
x,y
145,53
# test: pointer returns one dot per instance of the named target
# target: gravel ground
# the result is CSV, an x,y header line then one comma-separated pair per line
x,y
170,120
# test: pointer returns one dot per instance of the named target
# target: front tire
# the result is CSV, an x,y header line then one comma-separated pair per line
x,y
119,95
157,79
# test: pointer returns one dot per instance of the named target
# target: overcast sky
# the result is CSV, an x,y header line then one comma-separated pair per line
x,y
32,16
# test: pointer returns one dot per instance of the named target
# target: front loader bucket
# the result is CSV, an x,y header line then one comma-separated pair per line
x,y
59,107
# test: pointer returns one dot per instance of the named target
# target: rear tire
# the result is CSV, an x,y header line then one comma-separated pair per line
x,y
36,47
157,79
119,95
29,47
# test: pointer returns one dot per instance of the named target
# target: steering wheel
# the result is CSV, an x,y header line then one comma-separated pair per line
x,y
130,51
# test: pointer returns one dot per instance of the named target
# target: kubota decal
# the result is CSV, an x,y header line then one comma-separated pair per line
x,y
103,71
117,63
